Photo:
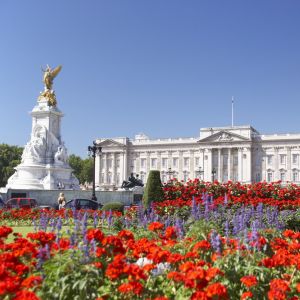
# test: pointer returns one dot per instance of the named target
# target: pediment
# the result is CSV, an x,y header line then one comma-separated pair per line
x,y
109,143
223,137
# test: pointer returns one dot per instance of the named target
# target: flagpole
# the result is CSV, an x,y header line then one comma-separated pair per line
x,y
232,99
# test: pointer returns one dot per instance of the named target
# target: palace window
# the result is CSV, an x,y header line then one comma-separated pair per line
x,y
282,176
143,162
118,179
164,162
295,159
197,160
175,162
270,177
282,158
153,162
102,177
295,176
186,161
269,159
118,163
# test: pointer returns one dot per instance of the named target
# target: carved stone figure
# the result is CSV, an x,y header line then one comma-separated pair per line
x,y
60,156
35,148
225,137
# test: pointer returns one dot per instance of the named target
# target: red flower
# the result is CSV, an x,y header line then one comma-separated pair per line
x,y
32,281
205,245
246,295
171,232
199,295
95,234
249,280
218,290
26,295
131,287
155,226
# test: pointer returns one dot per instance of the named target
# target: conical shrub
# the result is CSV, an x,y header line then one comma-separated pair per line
x,y
153,190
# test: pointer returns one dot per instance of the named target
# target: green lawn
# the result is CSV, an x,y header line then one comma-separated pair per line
x,y
27,229
20,229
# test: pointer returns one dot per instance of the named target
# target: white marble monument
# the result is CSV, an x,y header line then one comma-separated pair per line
x,y
44,162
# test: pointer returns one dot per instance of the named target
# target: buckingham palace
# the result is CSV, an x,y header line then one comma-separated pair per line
x,y
236,153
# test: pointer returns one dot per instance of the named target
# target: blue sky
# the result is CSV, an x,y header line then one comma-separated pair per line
x,y
162,67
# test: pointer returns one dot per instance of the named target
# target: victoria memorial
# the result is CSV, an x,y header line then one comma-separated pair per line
x,y
236,153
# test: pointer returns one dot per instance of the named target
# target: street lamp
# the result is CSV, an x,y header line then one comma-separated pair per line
x,y
213,172
199,173
170,173
93,151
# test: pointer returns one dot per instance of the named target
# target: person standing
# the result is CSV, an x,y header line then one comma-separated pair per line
x,y
61,201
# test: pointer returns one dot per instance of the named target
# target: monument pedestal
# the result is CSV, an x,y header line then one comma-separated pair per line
x,y
44,160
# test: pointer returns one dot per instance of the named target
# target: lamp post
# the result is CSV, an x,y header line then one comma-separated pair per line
x,y
199,173
213,172
170,173
93,151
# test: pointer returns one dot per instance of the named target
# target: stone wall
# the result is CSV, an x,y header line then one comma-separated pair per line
x,y
49,197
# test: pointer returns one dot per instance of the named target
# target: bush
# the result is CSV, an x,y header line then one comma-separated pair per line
x,y
153,189
114,206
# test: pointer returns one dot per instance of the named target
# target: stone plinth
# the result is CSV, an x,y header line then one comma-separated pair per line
x,y
44,160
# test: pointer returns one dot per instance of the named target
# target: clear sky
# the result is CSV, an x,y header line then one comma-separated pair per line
x,y
162,67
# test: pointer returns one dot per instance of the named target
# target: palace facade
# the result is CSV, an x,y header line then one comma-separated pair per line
x,y
238,153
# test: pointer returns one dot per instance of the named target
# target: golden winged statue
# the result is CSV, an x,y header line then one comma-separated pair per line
x,y
49,75
48,93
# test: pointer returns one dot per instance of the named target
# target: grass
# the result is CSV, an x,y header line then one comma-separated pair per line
x,y
24,230
20,229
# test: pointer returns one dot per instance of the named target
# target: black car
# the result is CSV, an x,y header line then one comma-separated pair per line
x,y
82,204
1,203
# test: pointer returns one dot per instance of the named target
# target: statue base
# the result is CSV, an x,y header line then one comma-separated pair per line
x,y
43,177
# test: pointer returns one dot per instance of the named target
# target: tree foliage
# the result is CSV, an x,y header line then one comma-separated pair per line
x,y
10,157
82,168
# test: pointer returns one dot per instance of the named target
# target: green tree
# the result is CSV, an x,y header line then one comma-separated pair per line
x,y
10,157
87,170
82,168
153,190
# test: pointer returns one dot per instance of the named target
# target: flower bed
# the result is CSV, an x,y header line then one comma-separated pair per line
x,y
227,247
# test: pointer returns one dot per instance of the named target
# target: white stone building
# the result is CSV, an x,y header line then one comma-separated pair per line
x,y
238,153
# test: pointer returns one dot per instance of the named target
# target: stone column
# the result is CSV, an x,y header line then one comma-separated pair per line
x,y
276,164
169,159
208,173
113,167
219,173
125,165
180,169
240,164
249,165
158,155
264,165
229,164
288,164
192,165
147,165
138,164
105,168
201,163
98,169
